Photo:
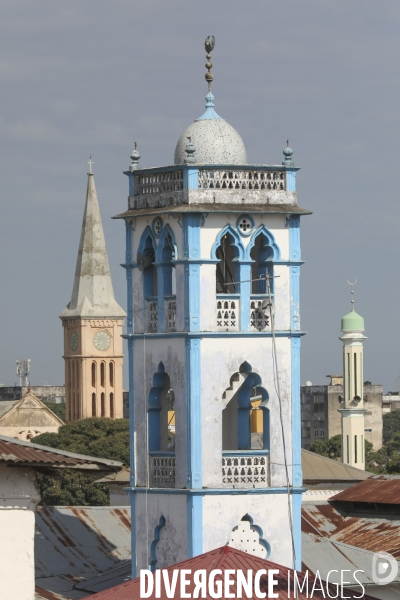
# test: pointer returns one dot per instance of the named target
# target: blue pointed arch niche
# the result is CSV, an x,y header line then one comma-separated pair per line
x,y
262,251
229,251
148,247
157,412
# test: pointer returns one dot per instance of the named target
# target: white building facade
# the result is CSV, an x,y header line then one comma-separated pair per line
x,y
203,239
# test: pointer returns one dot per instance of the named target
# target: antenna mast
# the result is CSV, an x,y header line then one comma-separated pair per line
x,y
23,367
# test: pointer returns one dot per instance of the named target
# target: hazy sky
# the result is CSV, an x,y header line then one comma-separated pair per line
x,y
95,76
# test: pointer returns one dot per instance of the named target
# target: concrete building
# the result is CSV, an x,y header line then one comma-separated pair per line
x,y
320,419
46,393
24,419
390,402
209,240
92,324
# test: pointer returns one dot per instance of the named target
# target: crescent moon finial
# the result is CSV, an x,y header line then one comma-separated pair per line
x,y
352,292
209,46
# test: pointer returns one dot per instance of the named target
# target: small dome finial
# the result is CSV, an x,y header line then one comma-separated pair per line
x,y
287,153
209,46
135,157
90,163
352,292
190,150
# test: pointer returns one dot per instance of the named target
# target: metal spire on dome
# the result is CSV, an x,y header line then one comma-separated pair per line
x,y
209,46
209,112
135,157
352,284
287,153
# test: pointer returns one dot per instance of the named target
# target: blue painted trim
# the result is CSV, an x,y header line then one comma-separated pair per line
x,y
238,244
262,230
200,261
295,254
296,514
191,178
146,233
251,221
131,182
232,453
296,414
245,291
213,334
194,528
133,534
294,238
153,546
291,179
217,491
193,414
191,250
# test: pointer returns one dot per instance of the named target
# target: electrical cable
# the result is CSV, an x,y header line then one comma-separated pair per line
x,y
278,392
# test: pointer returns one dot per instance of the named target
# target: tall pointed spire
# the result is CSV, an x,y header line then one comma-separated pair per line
x,y
92,293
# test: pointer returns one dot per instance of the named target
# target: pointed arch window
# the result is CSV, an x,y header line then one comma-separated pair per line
x,y
102,374
103,405
262,254
94,374
111,374
93,404
148,256
227,272
112,415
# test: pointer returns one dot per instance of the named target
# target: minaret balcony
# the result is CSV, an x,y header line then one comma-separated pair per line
x,y
163,187
241,468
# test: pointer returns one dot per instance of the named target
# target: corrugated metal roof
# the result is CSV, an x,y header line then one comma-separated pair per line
x,y
325,555
371,532
378,489
222,558
74,544
18,452
319,468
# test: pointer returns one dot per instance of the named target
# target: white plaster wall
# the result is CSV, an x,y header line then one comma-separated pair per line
x,y
149,509
118,496
148,354
220,359
217,221
270,512
18,498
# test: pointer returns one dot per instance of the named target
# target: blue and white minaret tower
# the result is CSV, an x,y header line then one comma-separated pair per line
x,y
213,264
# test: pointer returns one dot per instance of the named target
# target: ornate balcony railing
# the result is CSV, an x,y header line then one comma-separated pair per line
x,y
162,469
245,469
170,311
152,315
259,318
241,180
154,183
227,312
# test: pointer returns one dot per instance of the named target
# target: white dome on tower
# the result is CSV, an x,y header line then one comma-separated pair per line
x,y
214,140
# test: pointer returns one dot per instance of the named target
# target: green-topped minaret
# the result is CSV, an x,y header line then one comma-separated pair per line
x,y
352,407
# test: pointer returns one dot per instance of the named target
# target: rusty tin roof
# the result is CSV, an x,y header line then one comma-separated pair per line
x,y
26,454
378,489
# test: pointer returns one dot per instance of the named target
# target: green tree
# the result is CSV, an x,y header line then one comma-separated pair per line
x,y
393,452
391,425
99,437
57,409
331,448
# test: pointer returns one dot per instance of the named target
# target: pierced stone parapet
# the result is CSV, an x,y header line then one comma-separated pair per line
x,y
170,310
241,180
259,318
155,183
227,314
244,471
152,316
162,470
